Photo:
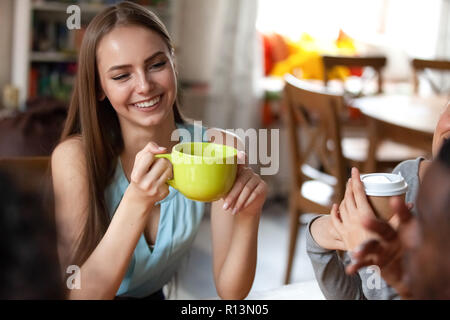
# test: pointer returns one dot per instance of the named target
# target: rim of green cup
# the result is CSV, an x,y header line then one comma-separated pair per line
x,y
226,156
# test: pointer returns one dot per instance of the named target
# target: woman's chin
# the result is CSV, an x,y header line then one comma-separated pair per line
x,y
154,119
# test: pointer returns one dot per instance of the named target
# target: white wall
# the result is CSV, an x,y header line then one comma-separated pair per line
x,y
6,14
196,31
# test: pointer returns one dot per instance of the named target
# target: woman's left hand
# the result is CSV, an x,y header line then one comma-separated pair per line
x,y
248,192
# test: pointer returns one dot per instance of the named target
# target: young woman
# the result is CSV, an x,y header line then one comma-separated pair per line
x,y
117,218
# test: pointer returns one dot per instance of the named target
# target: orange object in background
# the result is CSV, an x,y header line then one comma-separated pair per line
x,y
280,49
275,50
347,46
356,71
354,113
268,62
304,57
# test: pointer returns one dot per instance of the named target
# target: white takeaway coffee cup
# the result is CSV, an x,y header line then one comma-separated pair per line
x,y
379,188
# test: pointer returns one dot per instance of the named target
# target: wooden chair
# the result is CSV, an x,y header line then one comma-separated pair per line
x,y
419,68
377,63
351,118
315,113
355,139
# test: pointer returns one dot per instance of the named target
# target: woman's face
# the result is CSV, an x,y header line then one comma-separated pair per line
x,y
442,130
137,75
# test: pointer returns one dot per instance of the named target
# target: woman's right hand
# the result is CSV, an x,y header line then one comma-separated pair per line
x,y
150,174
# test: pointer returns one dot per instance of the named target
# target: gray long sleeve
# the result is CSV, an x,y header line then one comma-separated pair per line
x,y
335,284
330,274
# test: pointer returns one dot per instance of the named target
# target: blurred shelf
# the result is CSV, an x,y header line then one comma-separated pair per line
x,y
52,57
62,7
90,8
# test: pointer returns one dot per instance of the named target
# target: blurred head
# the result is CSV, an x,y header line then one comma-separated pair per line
x,y
29,267
428,255
442,130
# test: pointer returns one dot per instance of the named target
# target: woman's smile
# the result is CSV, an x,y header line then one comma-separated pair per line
x,y
148,105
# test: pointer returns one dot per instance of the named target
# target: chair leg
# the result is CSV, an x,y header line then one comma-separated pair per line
x,y
293,233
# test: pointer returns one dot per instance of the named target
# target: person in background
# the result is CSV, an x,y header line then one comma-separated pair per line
x,y
29,266
324,239
415,258
117,219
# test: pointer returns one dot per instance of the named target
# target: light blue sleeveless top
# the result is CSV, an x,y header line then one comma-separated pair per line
x,y
151,268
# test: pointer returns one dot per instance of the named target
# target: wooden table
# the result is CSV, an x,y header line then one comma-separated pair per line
x,y
406,119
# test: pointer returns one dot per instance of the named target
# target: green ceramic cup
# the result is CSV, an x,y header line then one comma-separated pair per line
x,y
202,171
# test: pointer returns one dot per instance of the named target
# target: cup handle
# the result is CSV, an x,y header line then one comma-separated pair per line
x,y
167,156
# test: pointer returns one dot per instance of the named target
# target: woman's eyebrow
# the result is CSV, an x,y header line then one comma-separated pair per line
x,y
122,66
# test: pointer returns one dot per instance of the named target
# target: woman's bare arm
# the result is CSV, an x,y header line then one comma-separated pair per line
x,y
105,268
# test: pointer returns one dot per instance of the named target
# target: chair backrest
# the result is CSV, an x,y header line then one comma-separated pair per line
x,y
375,62
421,65
315,112
31,174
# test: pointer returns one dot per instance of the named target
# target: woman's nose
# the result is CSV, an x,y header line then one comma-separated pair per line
x,y
144,83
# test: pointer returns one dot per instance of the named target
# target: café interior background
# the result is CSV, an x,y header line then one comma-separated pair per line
x,y
225,74
220,48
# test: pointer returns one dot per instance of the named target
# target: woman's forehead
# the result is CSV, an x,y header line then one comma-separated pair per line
x,y
127,44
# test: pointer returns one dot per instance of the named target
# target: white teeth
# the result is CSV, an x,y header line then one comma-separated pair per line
x,y
148,104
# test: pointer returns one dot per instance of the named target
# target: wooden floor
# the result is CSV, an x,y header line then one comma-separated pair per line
x,y
195,280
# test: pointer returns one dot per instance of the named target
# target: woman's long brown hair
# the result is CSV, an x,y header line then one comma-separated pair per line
x,y
96,121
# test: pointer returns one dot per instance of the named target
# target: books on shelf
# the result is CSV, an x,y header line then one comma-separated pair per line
x,y
51,80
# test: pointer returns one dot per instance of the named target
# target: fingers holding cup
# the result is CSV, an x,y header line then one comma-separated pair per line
x,y
241,181
245,194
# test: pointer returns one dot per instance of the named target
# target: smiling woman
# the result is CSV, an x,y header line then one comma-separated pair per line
x,y
137,75
117,218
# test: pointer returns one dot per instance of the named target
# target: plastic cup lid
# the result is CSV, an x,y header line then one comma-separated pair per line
x,y
384,184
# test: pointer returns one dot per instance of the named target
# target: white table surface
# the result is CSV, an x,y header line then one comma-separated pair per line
x,y
307,290
408,111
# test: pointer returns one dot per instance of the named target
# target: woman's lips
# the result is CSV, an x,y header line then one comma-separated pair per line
x,y
148,105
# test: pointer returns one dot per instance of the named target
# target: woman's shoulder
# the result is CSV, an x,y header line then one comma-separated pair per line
x,y
70,144
68,153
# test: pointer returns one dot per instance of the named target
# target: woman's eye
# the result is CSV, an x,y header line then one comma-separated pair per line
x,y
157,65
120,77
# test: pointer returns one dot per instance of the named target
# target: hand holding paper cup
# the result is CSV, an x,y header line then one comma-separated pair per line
x,y
379,188
202,171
